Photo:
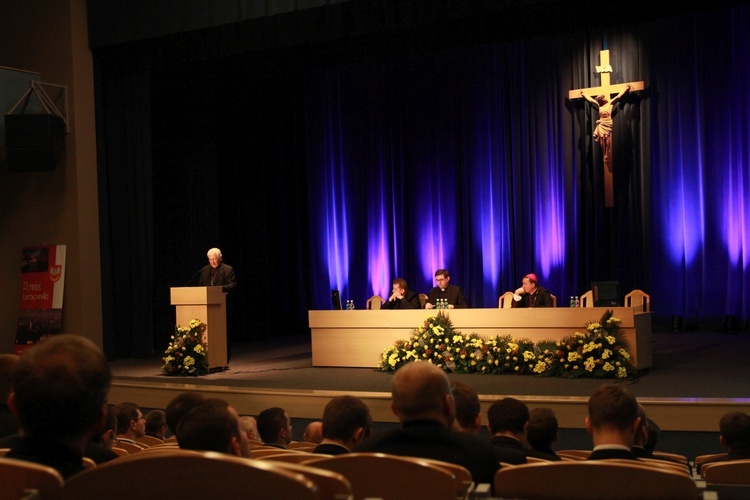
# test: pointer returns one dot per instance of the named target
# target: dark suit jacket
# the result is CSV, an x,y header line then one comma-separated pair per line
x,y
95,451
543,453
429,439
611,453
453,293
410,301
49,453
331,449
543,299
224,277
508,450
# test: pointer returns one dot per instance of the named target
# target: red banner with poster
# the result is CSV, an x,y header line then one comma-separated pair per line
x,y
41,301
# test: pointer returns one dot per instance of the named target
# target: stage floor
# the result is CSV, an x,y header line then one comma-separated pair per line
x,y
695,378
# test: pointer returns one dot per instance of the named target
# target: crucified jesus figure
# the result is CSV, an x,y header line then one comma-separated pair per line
x,y
603,130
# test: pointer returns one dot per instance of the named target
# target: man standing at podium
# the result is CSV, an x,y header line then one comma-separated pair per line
x,y
216,273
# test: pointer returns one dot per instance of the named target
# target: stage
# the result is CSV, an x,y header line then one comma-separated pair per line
x,y
696,377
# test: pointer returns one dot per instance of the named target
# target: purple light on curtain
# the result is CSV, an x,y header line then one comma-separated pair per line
x,y
736,227
437,232
377,249
550,217
333,203
336,233
683,209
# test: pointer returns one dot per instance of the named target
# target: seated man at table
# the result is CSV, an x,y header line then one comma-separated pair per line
x,y
453,295
401,297
530,294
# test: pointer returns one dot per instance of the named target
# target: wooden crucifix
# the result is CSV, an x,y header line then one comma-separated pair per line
x,y
602,98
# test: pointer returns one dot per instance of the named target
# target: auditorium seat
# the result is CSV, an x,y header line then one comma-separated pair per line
x,y
704,459
727,472
149,440
373,475
272,450
423,299
589,479
330,485
19,477
187,474
130,447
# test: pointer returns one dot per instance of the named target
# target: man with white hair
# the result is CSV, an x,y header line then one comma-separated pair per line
x,y
216,273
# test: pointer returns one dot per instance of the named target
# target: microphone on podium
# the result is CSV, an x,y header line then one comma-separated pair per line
x,y
192,278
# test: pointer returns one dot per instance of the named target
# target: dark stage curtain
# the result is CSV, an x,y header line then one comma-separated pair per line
x,y
323,167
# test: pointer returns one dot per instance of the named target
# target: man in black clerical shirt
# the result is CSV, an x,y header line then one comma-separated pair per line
x,y
216,273
452,294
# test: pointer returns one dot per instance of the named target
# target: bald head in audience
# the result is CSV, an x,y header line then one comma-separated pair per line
x,y
422,391
250,427
313,432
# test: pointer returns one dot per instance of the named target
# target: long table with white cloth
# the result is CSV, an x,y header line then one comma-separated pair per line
x,y
357,338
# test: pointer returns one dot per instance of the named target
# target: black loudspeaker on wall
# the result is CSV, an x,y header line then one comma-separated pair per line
x,y
34,142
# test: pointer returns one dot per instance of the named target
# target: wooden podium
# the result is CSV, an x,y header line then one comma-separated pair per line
x,y
207,304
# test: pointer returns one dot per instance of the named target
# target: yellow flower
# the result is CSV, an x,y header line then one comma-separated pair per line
x,y
590,364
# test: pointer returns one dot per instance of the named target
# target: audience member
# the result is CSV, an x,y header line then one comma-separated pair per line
x,y
213,425
653,431
452,294
156,424
346,423
8,421
421,398
99,448
275,427
612,422
468,410
108,435
645,438
180,405
401,297
131,423
313,432
541,433
641,436
59,393
507,420
250,427
734,428
530,294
